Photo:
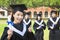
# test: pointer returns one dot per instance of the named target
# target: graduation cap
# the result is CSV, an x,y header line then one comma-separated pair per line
x,y
39,14
28,13
18,7
53,12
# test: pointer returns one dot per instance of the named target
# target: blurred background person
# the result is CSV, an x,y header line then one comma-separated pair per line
x,y
39,27
27,21
53,25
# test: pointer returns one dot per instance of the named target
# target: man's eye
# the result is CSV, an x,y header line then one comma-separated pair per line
x,y
18,14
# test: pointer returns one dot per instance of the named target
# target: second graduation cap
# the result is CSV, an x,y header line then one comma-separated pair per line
x,y
18,7
28,13
39,14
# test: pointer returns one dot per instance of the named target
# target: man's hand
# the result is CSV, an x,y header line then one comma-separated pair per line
x,y
10,33
30,29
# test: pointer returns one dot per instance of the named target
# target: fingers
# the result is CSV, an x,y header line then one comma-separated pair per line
x,y
10,33
29,29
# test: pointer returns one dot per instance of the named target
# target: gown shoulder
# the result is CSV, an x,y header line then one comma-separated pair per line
x,y
4,36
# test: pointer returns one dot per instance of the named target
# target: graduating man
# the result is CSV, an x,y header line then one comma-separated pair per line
x,y
17,30
27,21
53,25
39,26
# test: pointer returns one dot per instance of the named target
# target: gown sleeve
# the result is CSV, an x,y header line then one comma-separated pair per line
x,y
44,27
49,24
29,24
4,35
35,25
58,24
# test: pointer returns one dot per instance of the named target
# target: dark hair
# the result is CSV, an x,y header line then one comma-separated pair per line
x,y
12,18
17,7
53,12
37,18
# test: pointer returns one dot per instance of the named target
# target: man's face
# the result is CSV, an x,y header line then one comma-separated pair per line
x,y
54,15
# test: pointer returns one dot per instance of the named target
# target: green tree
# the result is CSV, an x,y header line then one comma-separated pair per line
x,y
30,3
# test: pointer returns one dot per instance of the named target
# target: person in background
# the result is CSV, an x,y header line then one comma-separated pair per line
x,y
27,21
9,22
39,27
53,25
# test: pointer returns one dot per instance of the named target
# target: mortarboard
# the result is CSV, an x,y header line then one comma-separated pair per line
x,y
39,14
28,13
18,7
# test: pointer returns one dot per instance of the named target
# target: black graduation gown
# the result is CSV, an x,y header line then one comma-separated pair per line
x,y
54,34
30,35
15,35
39,32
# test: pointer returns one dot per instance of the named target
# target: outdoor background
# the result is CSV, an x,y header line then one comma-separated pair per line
x,y
30,4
